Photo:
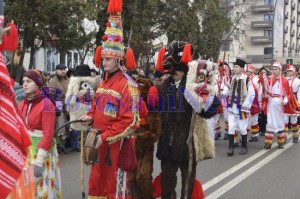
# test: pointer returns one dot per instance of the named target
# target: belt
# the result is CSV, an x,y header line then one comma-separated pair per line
x,y
36,133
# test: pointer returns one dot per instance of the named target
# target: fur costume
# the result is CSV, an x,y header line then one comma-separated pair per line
x,y
79,98
140,181
200,94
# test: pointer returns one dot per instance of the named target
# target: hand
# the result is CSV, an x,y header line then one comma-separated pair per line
x,y
38,171
99,142
4,30
87,120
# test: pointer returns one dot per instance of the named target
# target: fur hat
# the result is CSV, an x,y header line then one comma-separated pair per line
x,y
240,63
177,56
250,68
83,70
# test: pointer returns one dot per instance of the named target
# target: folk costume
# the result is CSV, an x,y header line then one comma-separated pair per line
x,y
239,102
223,86
140,180
38,112
289,112
278,92
14,138
255,109
172,147
78,100
115,114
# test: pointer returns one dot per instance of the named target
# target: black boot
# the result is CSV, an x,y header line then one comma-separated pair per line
x,y
244,149
230,152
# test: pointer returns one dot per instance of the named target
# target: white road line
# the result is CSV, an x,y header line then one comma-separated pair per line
x,y
227,173
216,194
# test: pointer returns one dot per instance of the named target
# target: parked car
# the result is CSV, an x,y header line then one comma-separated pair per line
x,y
19,94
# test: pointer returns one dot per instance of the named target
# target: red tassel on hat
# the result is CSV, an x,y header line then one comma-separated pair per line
x,y
10,40
97,56
198,192
115,6
153,96
130,60
157,187
160,59
187,54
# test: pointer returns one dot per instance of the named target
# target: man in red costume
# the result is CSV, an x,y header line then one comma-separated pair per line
x,y
113,112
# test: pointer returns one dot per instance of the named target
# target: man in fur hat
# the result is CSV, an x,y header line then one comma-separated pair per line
x,y
173,150
239,102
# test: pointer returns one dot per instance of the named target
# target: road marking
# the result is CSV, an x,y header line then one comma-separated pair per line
x,y
227,173
216,194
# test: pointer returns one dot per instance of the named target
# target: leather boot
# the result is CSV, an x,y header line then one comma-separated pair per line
x,y
244,149
230,152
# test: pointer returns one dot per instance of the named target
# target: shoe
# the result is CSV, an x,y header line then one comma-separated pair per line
x,y
267,146
63,151
243,151
280,146
295,140
236,144
75,150
230,152
253,139
262,133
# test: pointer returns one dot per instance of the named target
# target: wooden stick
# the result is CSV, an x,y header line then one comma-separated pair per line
x,y
81,165
190,146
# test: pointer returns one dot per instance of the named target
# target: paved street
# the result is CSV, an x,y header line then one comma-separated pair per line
x,y
267,174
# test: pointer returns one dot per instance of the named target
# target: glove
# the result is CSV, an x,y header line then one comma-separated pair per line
x,y
39,162
38,171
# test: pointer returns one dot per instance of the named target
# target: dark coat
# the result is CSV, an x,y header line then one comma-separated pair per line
x,y
176,119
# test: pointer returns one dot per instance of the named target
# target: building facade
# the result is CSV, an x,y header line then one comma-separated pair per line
x,y
263,30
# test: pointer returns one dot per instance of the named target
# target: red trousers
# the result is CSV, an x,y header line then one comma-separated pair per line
x,y
103,177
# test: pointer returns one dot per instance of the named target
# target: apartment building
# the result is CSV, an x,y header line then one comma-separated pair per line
x,y
263,30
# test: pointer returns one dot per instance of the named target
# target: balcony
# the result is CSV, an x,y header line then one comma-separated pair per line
x,y
293,6
286,2
293,19
255,59
298,36
262,8
298,23
261,39
285,44
286,29
261,24
286,15
292,33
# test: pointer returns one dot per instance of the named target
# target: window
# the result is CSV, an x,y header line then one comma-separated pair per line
x,y
268,2
268,17
225,46
268,51
268,33
289,61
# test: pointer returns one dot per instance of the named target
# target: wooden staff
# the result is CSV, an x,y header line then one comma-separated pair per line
x,y
191,154
81,165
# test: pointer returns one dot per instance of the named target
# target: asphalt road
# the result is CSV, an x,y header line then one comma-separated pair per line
x,y
267,174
